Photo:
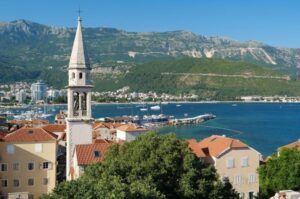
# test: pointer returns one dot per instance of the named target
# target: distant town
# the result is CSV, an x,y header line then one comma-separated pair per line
x,y
20,93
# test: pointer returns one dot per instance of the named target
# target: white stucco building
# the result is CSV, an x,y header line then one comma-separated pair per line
x,y
129,132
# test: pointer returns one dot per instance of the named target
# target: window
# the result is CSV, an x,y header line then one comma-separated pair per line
x,y
97,154
46,165
38,148
244,161
45,181
73,75
16,166
251,195
10,149
252,178
4,183
238,179
3,167
30,182
230,163
16,182
80,75
30,166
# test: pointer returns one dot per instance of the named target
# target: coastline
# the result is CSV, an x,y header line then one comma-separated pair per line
x,y
166,102
198,102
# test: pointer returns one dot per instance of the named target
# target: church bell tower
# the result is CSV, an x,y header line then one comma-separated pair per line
x,y
79,127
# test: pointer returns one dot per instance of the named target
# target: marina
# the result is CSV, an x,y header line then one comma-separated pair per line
x,y
265,126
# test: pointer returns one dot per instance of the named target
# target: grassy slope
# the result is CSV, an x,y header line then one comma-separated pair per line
x,y
149,77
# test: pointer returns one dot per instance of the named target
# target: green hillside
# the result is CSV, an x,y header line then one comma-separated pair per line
x,y
209,78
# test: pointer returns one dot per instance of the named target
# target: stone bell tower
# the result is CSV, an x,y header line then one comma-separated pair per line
x,y
79,127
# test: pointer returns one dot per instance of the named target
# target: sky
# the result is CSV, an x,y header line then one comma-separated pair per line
x,y
274,22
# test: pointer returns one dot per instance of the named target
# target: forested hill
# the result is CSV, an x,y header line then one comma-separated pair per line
x,y
208,78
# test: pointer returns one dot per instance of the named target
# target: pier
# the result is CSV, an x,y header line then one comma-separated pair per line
x,y
192,120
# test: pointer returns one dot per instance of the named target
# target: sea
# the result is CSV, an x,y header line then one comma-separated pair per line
x,y
263,126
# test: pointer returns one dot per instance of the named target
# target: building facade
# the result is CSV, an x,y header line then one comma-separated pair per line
x,y
233,160
79,116
38,91
21,96
129,132
27,163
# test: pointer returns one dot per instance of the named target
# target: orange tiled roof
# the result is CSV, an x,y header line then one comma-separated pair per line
x,y
54,128
295,145
130,128
29,135
214,145
193,144
86,152
102,141
29,122
108,125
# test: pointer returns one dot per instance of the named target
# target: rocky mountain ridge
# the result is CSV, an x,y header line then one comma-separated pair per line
x,y
27,44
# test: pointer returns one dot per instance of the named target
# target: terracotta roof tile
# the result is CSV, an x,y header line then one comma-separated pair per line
x,y
28,122
215,145
2,135
295,145
108,125
86,152
193,144
29,135
54,128
130,128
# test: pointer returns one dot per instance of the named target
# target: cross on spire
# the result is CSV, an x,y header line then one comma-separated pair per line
x,y
79,11
79,14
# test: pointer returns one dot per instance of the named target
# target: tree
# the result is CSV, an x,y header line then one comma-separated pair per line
x,y
152,166
280,173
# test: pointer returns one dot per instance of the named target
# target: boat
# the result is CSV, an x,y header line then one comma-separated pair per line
x,y
178,105
143,109
185,115
234,105
155,108
45,115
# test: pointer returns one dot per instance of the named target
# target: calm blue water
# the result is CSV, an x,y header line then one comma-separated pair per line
x,y
264,127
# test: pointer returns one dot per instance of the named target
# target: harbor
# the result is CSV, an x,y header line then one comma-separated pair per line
x,y
268,120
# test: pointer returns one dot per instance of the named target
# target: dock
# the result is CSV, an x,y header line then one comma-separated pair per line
x,y
192,120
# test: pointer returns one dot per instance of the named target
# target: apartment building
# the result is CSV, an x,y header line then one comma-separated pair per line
x,y
232,159
27,163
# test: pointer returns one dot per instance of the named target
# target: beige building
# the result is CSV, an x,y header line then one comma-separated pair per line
x,y
129,132
105,130
27,163
233,160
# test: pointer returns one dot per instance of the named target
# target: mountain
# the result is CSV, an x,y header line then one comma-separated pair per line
x,y
35,47
211,78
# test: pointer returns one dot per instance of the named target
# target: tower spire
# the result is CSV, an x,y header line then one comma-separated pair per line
x,y
79,128
79,57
